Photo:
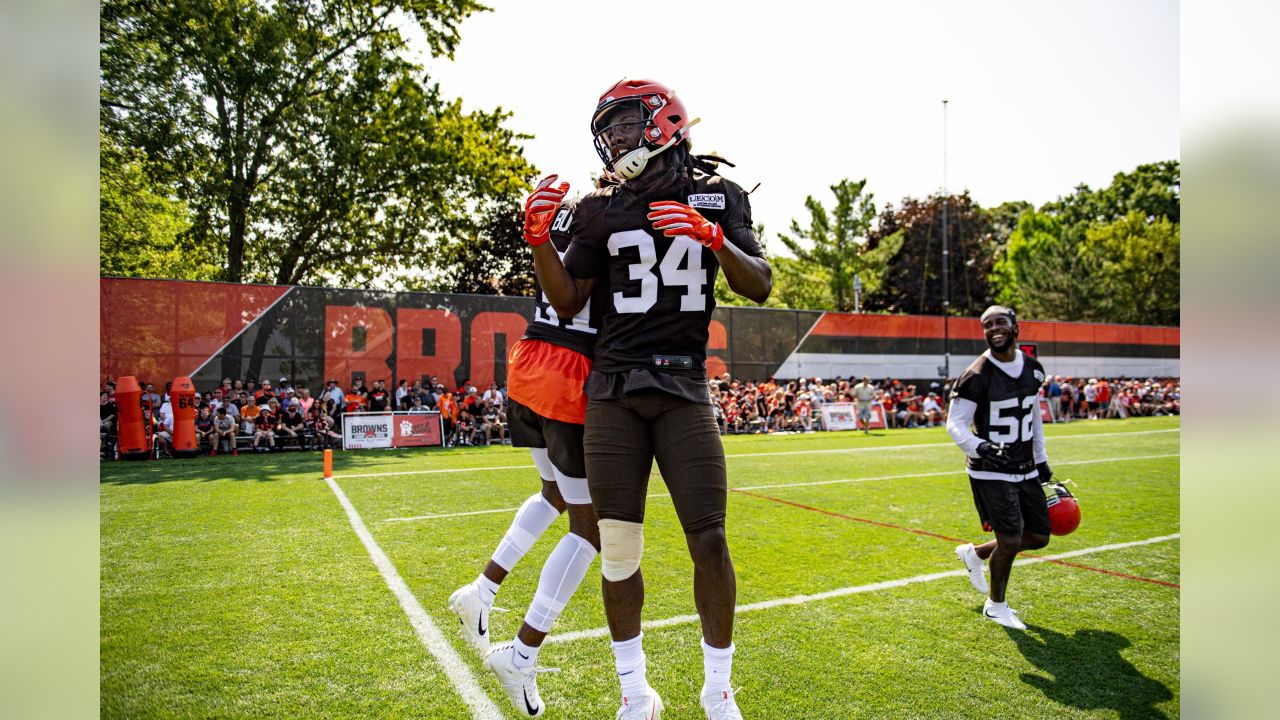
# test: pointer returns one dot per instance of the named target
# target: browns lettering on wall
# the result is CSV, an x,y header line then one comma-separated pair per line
x,y
160,329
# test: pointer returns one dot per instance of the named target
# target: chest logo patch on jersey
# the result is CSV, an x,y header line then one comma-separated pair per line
x,y
1038,375
710,201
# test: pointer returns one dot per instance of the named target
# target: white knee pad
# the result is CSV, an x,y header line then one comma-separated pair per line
x,y
573,489
542,461
621,546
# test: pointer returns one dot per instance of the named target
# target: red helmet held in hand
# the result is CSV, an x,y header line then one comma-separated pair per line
x,y
1064,509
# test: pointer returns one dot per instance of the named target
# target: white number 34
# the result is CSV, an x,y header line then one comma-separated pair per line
x,y
683,251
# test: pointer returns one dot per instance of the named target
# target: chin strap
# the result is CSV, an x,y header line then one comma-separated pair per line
x,y
630,166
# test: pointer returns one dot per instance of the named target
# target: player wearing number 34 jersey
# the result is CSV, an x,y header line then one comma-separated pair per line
x,y
656,243
999,396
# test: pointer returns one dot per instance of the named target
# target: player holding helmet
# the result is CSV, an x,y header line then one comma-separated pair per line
x,y
656,241
546,409
999,394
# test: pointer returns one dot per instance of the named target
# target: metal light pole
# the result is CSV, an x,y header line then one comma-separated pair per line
x,y
946,260
857,293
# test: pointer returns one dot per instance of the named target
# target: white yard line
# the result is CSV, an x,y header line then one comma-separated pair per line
x,y
463,681
603,632
831,451
841,481
451,515
875,448
945,473
433,472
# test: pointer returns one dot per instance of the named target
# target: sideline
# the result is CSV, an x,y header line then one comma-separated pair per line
x,y
482,707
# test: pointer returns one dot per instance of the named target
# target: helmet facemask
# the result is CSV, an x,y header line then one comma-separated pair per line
x,y
633,163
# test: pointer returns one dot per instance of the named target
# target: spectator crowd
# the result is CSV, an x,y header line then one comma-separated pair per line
x,y
262,417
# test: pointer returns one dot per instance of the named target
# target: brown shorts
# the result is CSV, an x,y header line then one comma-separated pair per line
x,y
1009,508
624,437
562,440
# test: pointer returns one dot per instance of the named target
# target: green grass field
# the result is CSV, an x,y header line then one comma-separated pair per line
x,y
237,586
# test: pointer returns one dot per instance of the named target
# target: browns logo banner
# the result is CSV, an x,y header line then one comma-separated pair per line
x,y
160,329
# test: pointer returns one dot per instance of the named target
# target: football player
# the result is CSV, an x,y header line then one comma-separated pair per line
x,y
656,241
999,395
545,412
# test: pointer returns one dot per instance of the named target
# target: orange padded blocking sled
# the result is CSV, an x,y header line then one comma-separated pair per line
x,y
132,442
182,397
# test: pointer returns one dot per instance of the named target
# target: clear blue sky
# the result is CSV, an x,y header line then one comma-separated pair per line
x,y
801,94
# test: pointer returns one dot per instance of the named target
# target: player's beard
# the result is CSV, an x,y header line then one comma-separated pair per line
x,y
1010,339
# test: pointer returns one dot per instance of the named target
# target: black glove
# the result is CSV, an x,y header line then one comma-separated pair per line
x,y
1045,473
994,457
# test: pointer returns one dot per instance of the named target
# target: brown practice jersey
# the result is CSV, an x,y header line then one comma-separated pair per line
x,y
660,290
580,331
1006,408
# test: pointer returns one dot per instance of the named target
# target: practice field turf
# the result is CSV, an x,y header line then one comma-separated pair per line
x,y
241,586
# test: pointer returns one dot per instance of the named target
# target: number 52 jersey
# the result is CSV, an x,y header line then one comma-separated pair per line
x,y
1006,411
660,289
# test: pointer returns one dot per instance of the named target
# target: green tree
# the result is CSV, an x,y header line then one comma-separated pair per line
x,y
1043,273
834,244
141,229
493,260
911,237
304,141
1138,269
1052,269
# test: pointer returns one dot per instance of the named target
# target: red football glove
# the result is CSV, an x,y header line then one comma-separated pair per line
x,y
540,209
675,218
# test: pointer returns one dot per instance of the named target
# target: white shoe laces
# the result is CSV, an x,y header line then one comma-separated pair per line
x,y
726,708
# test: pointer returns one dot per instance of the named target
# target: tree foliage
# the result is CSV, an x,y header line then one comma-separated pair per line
x,y
911,237
1085,255
142,229
303,139
834,244
493,260
1137,263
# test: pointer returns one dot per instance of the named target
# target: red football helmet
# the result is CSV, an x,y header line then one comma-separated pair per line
x,y
1064,510
666,123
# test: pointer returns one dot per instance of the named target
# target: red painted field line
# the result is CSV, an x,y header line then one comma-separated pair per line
x,y
926,533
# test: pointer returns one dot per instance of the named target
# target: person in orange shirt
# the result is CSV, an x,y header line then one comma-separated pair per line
x,y
249,412
448,412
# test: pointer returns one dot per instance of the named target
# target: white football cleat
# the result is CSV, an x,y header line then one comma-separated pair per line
x,y
646,706
720,705
1005,616
969,556
473,614
520,684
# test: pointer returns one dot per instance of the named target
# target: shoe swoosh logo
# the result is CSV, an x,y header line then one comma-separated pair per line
x,y
527,706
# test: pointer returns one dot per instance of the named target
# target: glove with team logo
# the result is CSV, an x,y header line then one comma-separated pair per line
x,y
540,209
994,456
675,219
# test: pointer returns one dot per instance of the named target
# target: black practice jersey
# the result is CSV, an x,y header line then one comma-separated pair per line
x,y
580,331
660,289
1006,407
